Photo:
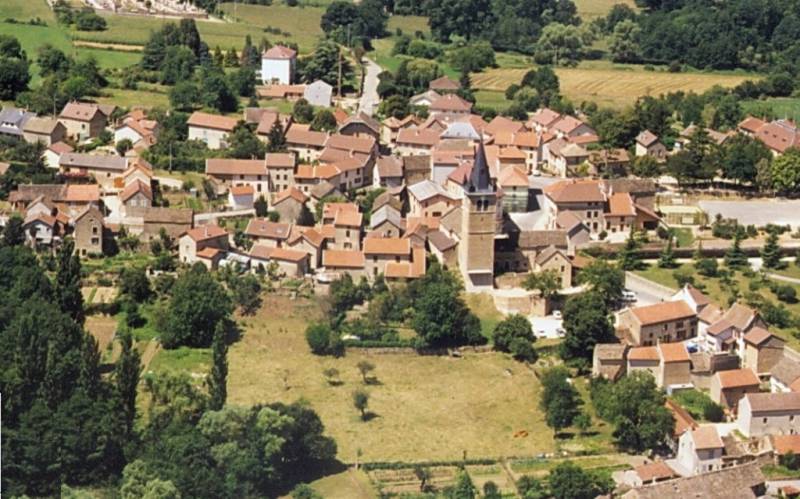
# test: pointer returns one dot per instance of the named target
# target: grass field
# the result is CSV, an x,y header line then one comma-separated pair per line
x,y
607,84
426,407
302,24
589,9
779,107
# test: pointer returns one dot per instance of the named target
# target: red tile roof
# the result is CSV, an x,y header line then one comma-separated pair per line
x,y
706,437
643,353
673,352
343,259
663,312
261,227
737,378
290,193
206,232
280,160
279,52
225,166
134,188
387,246
214,121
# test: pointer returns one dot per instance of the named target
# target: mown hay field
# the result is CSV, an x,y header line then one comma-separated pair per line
x,y
426,407
611,87
590,9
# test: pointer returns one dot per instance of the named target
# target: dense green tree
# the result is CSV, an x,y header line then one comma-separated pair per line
x,y
396,106
52,61
667,258
324,121
624,43
360,402
587,323
276,139
531,488
216,93
734,256
178,65
740,155
68,281
324,64
302,111
14,76
243,81
13,232
126,378
629,255
133,282
472,57
197,305
605,279
560,400
547,282
467,18
244,144
728,113
785,172
771,252
250,55
247,293
570,481
463,488
184,96
559,44
515,335
218,379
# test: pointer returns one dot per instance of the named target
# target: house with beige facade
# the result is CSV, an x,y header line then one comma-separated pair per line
x,y
729,387
762,414
88,232
266,233
199,238
700,451
379,251
82,120
662,322
231,172
212,129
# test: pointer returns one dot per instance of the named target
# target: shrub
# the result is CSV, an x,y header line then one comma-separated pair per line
x,y
713,412
786,293
323,340
707,267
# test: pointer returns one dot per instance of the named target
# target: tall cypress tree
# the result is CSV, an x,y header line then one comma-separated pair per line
x,y
735,257
667,259
218,379
277,139
126,377
771,252
68,282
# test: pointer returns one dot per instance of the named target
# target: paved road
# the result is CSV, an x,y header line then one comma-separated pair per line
x,y
369,97
647,292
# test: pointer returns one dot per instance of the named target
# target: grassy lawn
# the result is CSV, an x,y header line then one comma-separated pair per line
x,y
492,98
301,24
719,295
694,401
115,264
408,24
426,407
482,305
129,98
193,360
683,236
589,9
349,484
790,270
779,107
608,84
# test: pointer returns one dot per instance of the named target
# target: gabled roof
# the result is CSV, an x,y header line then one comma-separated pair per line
x,y
512,176
646,138
61,148
418,136
773,402
89,210
779,135
363,118
501,124
290,193
136,187
279,52
427,189
242,190
444,83
575,191
663,312
567,124
787,370
41,125
737,482
621,204
389,167
673,352
440,240
347,218
545,117
214,121
706,437
262,227
387,246
363,144
206,232
300,136
751,124
657,471
737,378
386,213
784,444
93,161
208,253
280,160
758,336
643,353
226,166
79,111
740,316
450,102
343,259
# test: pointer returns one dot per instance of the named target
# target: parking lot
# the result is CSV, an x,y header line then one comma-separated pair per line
x,y
546,327
758,213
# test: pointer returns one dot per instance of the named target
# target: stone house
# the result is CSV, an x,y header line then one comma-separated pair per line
x,y
361,125
386,221
379,251
48,131
88,232
82,120
136,197
728,387
289,204
199,238
213,129
676,366
662,322
785,375
648,144
267,233
762,351
104,169
388,172
309,240
347,226
427,198
608,360
232,172
291,263
443,248
306,143
514,183
280,168
584,198
742,482
318,94
762,414
174,221
644,359
647,474
557,261
391,127
344,261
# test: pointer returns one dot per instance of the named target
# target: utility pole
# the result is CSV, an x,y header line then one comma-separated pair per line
x,y
339,80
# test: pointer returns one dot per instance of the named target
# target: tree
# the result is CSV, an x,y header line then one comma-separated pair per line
x,y
243,82
583,422
216,93
559,44
324,64
52,61
134,283
198,304
261,207
531,488
771,252
365,368
247,293
323,340
570,481
463,488
667,258
512,335
302,111
587,323
560,400
13,233
441,318
14,71
360,402
276,138
243,143
331,375
397,106
324,121
624,44
629,256
126,377
218,379
68,281
184,96
740,156
785,171
304,491
547,282
423,474
605,279
178,65
734,256
467,18
250,55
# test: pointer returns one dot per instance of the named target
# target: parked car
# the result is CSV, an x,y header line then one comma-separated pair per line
x,y
628,295
557,314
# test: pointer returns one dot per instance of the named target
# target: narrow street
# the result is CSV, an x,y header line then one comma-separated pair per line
x,y
369,97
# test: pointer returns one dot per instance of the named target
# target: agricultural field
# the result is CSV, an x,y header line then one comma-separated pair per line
x,y
424,407
778,107
590,9
614,85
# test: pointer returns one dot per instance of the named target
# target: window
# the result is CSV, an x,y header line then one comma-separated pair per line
x,y
764,421
347,233
94,229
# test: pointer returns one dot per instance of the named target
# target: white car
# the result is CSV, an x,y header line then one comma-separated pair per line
x,y
628,295
557,314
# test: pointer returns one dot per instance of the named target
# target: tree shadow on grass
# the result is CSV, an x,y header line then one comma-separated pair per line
x,y
372,381
369,416
307,474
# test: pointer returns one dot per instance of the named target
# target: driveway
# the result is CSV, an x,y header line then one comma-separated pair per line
x,y
546,327
369,97
758,213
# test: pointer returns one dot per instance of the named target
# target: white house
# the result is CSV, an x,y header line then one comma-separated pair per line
x,y
318,94
53,153
278,64
769,414
210,128
700,450
240,197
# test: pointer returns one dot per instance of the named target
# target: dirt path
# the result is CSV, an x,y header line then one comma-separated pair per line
x,y
150,351
108,46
